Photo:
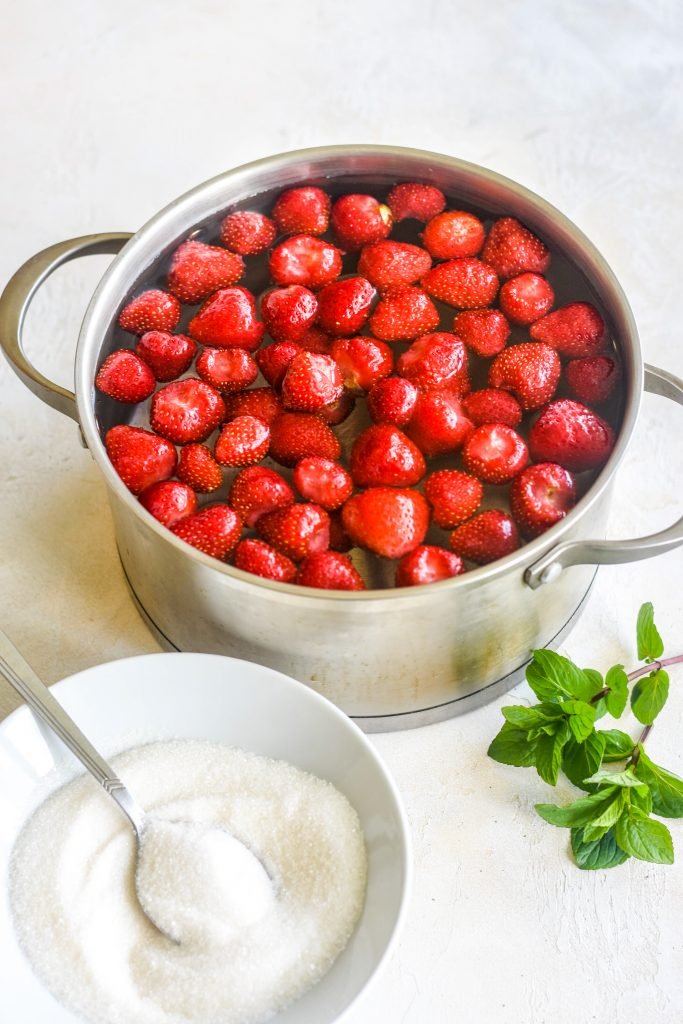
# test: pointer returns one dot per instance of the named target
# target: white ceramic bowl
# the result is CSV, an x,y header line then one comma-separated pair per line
x,y
202,696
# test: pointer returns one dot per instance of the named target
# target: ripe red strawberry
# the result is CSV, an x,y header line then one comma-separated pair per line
x,y
492,405
344,306
274,360
311,382
329,570
125,377
512,249
404,314
260,559
337,412
296,435
438,424
198,469
169,501
359,220
247,232
386,520
388,264
382,455
140,457
257,490
454,234
302,211
572,434
495,453
485,331
167,355
305,260
242,442
228,320
322,481
427,564
530,370
541,496
410,199
214,530
362,361
592,379
289,312
315,340
526,298
186,410
454,496
486,537
297,530
227,369
436,360
260,402
575,330
153,310
197,270
468,283
392,400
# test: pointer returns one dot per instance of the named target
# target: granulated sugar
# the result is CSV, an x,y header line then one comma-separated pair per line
x,y
299,888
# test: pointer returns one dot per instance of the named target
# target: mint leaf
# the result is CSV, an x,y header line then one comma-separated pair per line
x,y
581,718
598,826
549,754
603,853
624,779
640,798
643,837
618,745
511,746
616,699
531,718
648,696
598,683
579,760
666,788
580,812
650,644
553,677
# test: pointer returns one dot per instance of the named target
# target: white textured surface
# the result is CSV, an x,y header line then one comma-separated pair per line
x,y
108,111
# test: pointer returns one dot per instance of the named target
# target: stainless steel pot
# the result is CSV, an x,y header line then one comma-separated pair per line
x,y
390,658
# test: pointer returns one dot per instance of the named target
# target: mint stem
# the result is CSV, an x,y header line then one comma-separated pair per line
x,y
654,666
633,759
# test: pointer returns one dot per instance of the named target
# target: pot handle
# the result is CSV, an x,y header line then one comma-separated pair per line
x,y
17,297
612,552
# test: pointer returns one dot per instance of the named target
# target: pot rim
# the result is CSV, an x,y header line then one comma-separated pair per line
x,y
117,279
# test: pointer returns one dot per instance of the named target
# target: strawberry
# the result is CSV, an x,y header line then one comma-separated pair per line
x,y
322,481
362,361
329,570
296,435
315,340
344,306
215,530
526,298
227,369
392,400
311,382
575,330
388,264
592,379
410,199
257,490
438,424
337,412
512,249
274,360
453,495
247,232
169,501
125,376
140,457
382,455
404,314
198,469
454,234
197,270
302,211
242,441
228,320
494,453
435,360
492,405
261,402
297,530
260,559
386,520
167,355
153,310
186,410
485,331
305,260
530,370
468,283
541,496
359,220
572,434
289,312
427,564
486,537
